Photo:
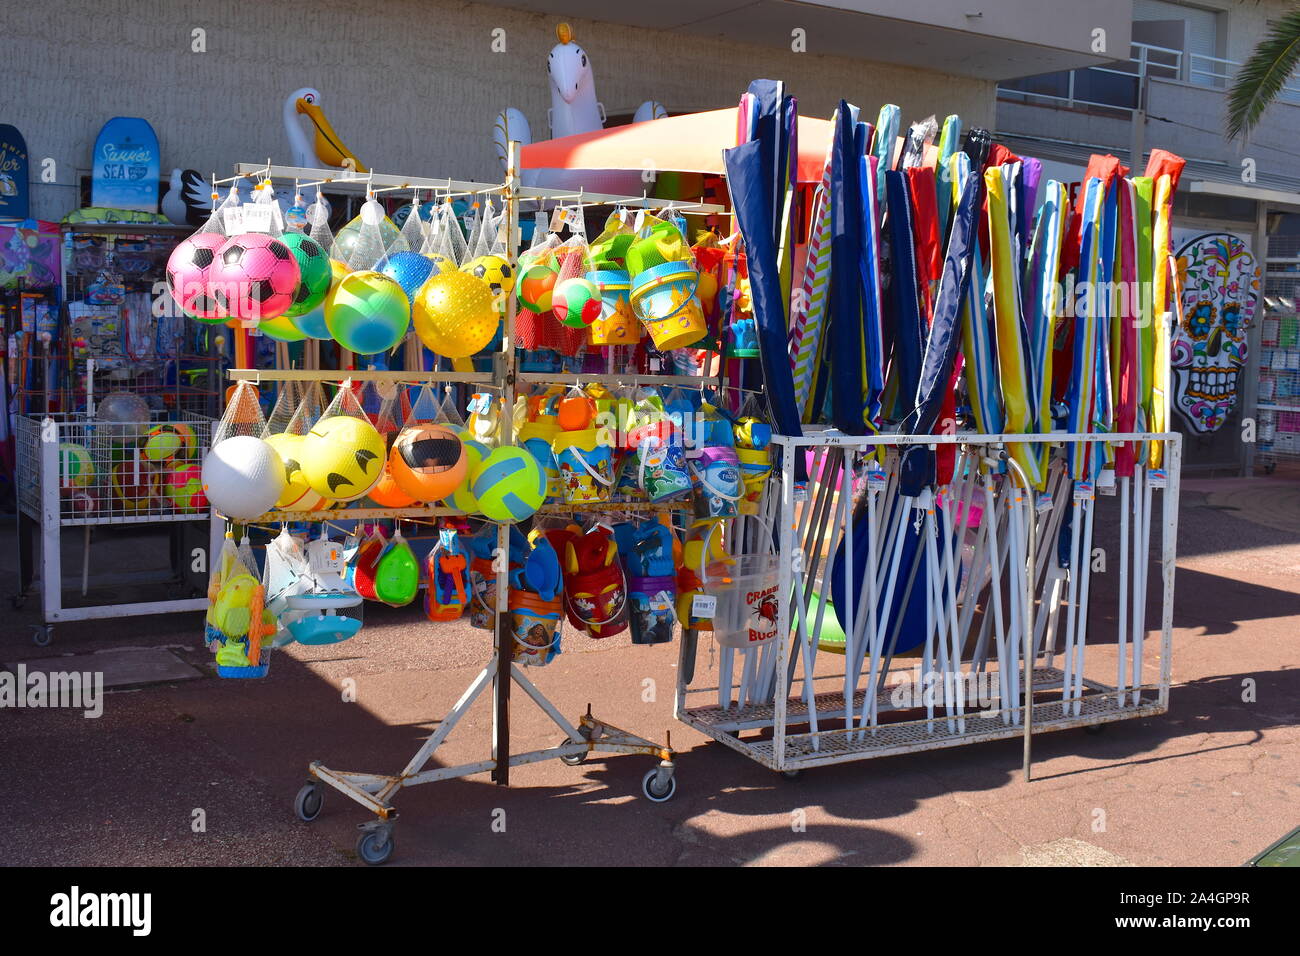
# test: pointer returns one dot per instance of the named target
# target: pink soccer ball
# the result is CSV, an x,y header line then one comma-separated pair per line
x,y
189,271
255,277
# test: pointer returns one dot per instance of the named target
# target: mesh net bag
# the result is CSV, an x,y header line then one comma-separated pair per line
x,y
243,415
311,404
369,237
444,237
415,230
318,222
286,405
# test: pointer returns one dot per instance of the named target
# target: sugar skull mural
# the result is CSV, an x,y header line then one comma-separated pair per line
x,y
1220,288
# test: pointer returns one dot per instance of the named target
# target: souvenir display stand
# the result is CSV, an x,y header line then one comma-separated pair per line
x,y
376,791
1014,584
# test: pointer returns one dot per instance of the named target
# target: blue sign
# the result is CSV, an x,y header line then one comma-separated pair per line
x,y
125,167
14,189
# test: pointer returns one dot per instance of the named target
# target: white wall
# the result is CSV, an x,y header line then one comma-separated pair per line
x,y
411,86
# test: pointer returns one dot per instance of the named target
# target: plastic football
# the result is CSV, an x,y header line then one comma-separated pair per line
x,y
367,312
342,457
255,277
189,270
315,275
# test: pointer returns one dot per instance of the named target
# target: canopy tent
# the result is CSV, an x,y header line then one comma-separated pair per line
x,y
692,142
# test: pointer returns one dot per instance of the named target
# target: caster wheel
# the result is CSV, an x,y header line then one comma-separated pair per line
x,y
307,804
575,760
655,792
790,774
1095,730
43,635
375,846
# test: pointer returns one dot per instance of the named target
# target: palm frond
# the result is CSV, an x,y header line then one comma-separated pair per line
x,y
1262,77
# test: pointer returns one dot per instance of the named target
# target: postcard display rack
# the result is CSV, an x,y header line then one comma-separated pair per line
x,y
376,791
967,603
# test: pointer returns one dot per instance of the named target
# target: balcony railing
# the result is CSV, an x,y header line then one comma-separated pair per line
x,y
1119,85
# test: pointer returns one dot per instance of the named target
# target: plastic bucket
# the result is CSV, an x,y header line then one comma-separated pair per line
x,y
664,299
482,594
755,466
616,325
535,626
650,608
748,603
718,488
661,467
586,466
597,601
537,438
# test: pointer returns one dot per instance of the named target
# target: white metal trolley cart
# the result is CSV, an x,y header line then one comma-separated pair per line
x,y
375,791
114,486
974,675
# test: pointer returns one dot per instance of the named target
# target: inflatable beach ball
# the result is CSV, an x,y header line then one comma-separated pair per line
x,y
255,277
427,461
342,457
576,302
243,477
410,270
76,470
509,484
315,275
182,487
367,312
536,284
462,499
169,442
454,315
386,492
189,270
297,495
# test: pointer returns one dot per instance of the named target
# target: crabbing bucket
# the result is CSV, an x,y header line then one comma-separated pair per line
x,y
616,324
535,626
748,602
586,466
650,608
664,299
718,488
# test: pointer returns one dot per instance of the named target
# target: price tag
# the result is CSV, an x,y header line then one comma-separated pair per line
x,y
876,479
232,220
326,557
258,217
1157,478
703,606
801,491
1083,491
1044,502
557,219
1106,482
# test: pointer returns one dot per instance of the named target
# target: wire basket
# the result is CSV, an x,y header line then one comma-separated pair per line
x,y
112,472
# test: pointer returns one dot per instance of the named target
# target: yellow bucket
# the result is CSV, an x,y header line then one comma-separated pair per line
x,y
664,299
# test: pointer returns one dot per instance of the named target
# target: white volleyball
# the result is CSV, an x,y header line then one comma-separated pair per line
x,y
243,477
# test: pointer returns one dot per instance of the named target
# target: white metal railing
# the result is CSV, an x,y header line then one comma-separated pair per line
x,y
1146,61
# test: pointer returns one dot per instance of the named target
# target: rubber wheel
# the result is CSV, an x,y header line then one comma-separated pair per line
x,y
375,846
575,760
307,804
43,635
654,793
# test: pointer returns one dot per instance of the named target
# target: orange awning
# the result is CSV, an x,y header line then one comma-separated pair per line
x,y
692,142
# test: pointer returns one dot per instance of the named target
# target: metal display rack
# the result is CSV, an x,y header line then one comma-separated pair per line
x,y
376,791
1279,360
977,632
116,487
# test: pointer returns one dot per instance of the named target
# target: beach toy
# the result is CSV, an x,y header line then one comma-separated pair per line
x,y
367,312
237,626
715,474
360,235
168,442
386,492
427,461
508,484
410,270
657,242
315,275
616,324
124,416
703,549
311,325
496,272
397,573
462,498
447,574
661,469
651,582
297,494
576,302
282,329
664,299
755,458
536,285
131,485
255,277
586,466
76,469
243,477
537,436
342,457
594,585
182,486
189,270
535,627
365,568
482,580
454,314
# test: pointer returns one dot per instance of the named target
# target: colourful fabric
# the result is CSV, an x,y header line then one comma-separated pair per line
x,y
1043,305
1082,377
